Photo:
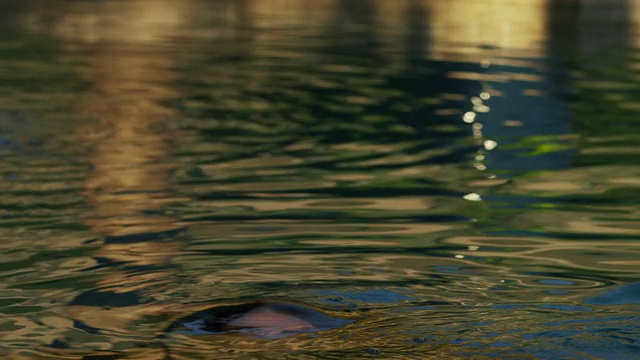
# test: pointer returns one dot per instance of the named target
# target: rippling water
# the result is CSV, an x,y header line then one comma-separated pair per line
x,y
443,178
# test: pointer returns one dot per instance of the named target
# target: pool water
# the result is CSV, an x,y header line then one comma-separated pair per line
x,y
424,178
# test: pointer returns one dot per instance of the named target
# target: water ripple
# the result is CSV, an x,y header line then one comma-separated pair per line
x,y
458,179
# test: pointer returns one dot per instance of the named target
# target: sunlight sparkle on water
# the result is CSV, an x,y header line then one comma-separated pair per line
x,y
469,117
490,144
472,197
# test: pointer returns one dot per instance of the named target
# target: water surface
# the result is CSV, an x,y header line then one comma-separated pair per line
x,y
443,178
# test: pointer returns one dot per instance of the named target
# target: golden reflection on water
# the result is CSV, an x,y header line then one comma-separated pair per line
x,y
380,204
570,254
129,147
508,25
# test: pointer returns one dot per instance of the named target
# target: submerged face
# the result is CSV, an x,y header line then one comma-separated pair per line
x,y
263,320
267,322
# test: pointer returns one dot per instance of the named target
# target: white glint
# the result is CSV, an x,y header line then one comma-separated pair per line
x,y
490,144
469,117
481,108
472,197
